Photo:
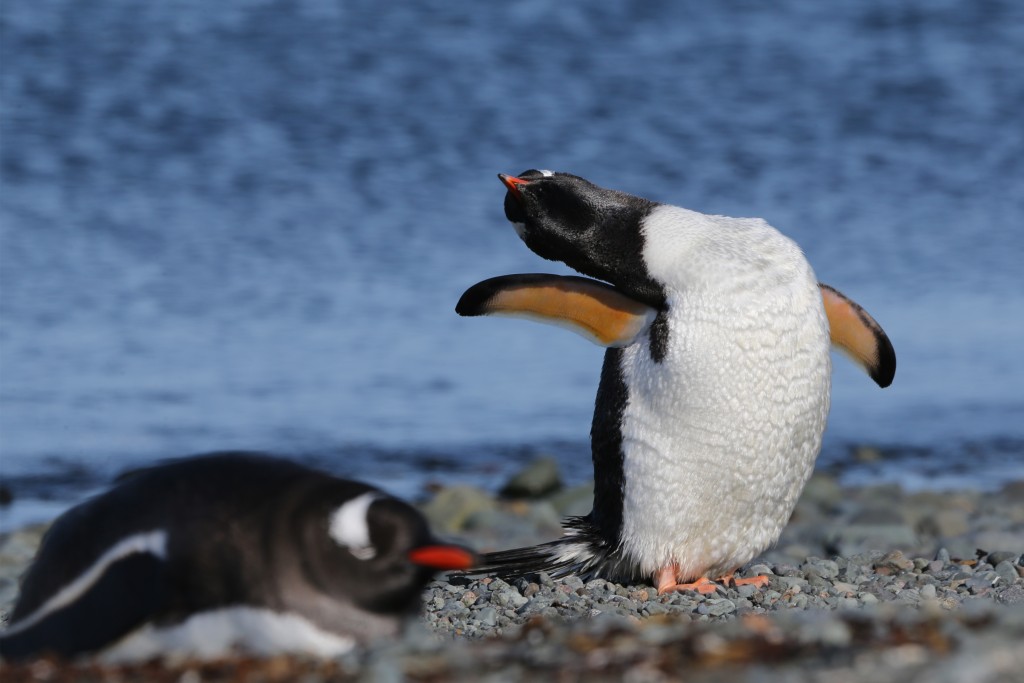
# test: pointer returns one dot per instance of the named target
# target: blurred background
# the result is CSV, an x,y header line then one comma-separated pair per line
x,y
245,224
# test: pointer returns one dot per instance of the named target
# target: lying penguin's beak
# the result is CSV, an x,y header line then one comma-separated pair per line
x,y
443,557
512,183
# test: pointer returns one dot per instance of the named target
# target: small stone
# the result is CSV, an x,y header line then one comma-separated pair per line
x,y
999,556
843,588
575,583
942,556
746,590
639,595
717,608
1006,572
868,599
488,616
654,608
793,584
511,597
893,562
1011,596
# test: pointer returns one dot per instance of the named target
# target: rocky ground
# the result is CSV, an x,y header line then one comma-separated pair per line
x,y
866,583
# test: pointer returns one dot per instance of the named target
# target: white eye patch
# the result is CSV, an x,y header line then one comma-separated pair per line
x,y
546,173
349,528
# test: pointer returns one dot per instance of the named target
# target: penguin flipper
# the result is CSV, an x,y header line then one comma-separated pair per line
x,y
588,307
857,333
95,610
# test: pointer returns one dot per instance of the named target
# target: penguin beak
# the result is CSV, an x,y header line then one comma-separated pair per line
x,y
443,557
513,183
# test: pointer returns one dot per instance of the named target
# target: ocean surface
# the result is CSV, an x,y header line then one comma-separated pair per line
x,y
245,224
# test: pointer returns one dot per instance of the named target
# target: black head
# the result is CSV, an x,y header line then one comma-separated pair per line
x,y
377,552
596,231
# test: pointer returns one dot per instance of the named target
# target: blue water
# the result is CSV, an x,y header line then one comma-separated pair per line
x,y
246,224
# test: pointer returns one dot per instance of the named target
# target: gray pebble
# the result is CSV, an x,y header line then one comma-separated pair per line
x,y
1006,572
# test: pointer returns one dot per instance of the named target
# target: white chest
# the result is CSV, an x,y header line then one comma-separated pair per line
x,y
720,437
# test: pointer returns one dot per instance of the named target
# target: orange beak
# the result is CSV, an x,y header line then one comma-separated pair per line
x,y
443,557
512,183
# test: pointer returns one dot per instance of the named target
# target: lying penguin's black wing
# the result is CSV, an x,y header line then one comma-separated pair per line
x,y
120,591
590,308
854,331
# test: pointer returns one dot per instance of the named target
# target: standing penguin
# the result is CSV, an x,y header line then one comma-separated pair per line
x,y
715,388
233,551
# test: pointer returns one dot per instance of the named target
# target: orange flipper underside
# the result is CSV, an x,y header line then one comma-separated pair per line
x,y
593,309
857,333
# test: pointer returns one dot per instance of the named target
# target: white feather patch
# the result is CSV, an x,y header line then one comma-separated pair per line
x,y
220,633
348,526
153,542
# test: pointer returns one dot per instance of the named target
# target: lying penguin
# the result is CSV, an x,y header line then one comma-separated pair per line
x,y
223,553
715,387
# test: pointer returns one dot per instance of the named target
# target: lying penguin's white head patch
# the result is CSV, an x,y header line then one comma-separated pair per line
x,y
349,526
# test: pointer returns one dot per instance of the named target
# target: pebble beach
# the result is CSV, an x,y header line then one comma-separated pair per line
x,y
870,582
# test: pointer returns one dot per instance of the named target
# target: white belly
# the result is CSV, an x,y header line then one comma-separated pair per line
x,y
720,438
228,631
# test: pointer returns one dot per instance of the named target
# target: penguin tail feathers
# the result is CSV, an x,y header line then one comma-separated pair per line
x,y
580,552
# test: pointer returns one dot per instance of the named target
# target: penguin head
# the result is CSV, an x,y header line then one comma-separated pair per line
x,y
378,552
594,230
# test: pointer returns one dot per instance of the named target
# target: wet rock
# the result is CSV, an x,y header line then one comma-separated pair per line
x,y
999,556
453,506
1007,572
537,479
945,524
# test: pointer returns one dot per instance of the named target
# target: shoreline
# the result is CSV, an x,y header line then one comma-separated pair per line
x,y
866,581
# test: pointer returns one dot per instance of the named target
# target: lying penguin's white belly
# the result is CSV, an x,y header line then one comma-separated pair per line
x,y
720,437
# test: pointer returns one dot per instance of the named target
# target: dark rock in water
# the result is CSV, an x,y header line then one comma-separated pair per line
x,y
537,479
6,495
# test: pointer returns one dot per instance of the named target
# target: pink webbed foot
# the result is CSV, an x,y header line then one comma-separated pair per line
x,y
666,581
